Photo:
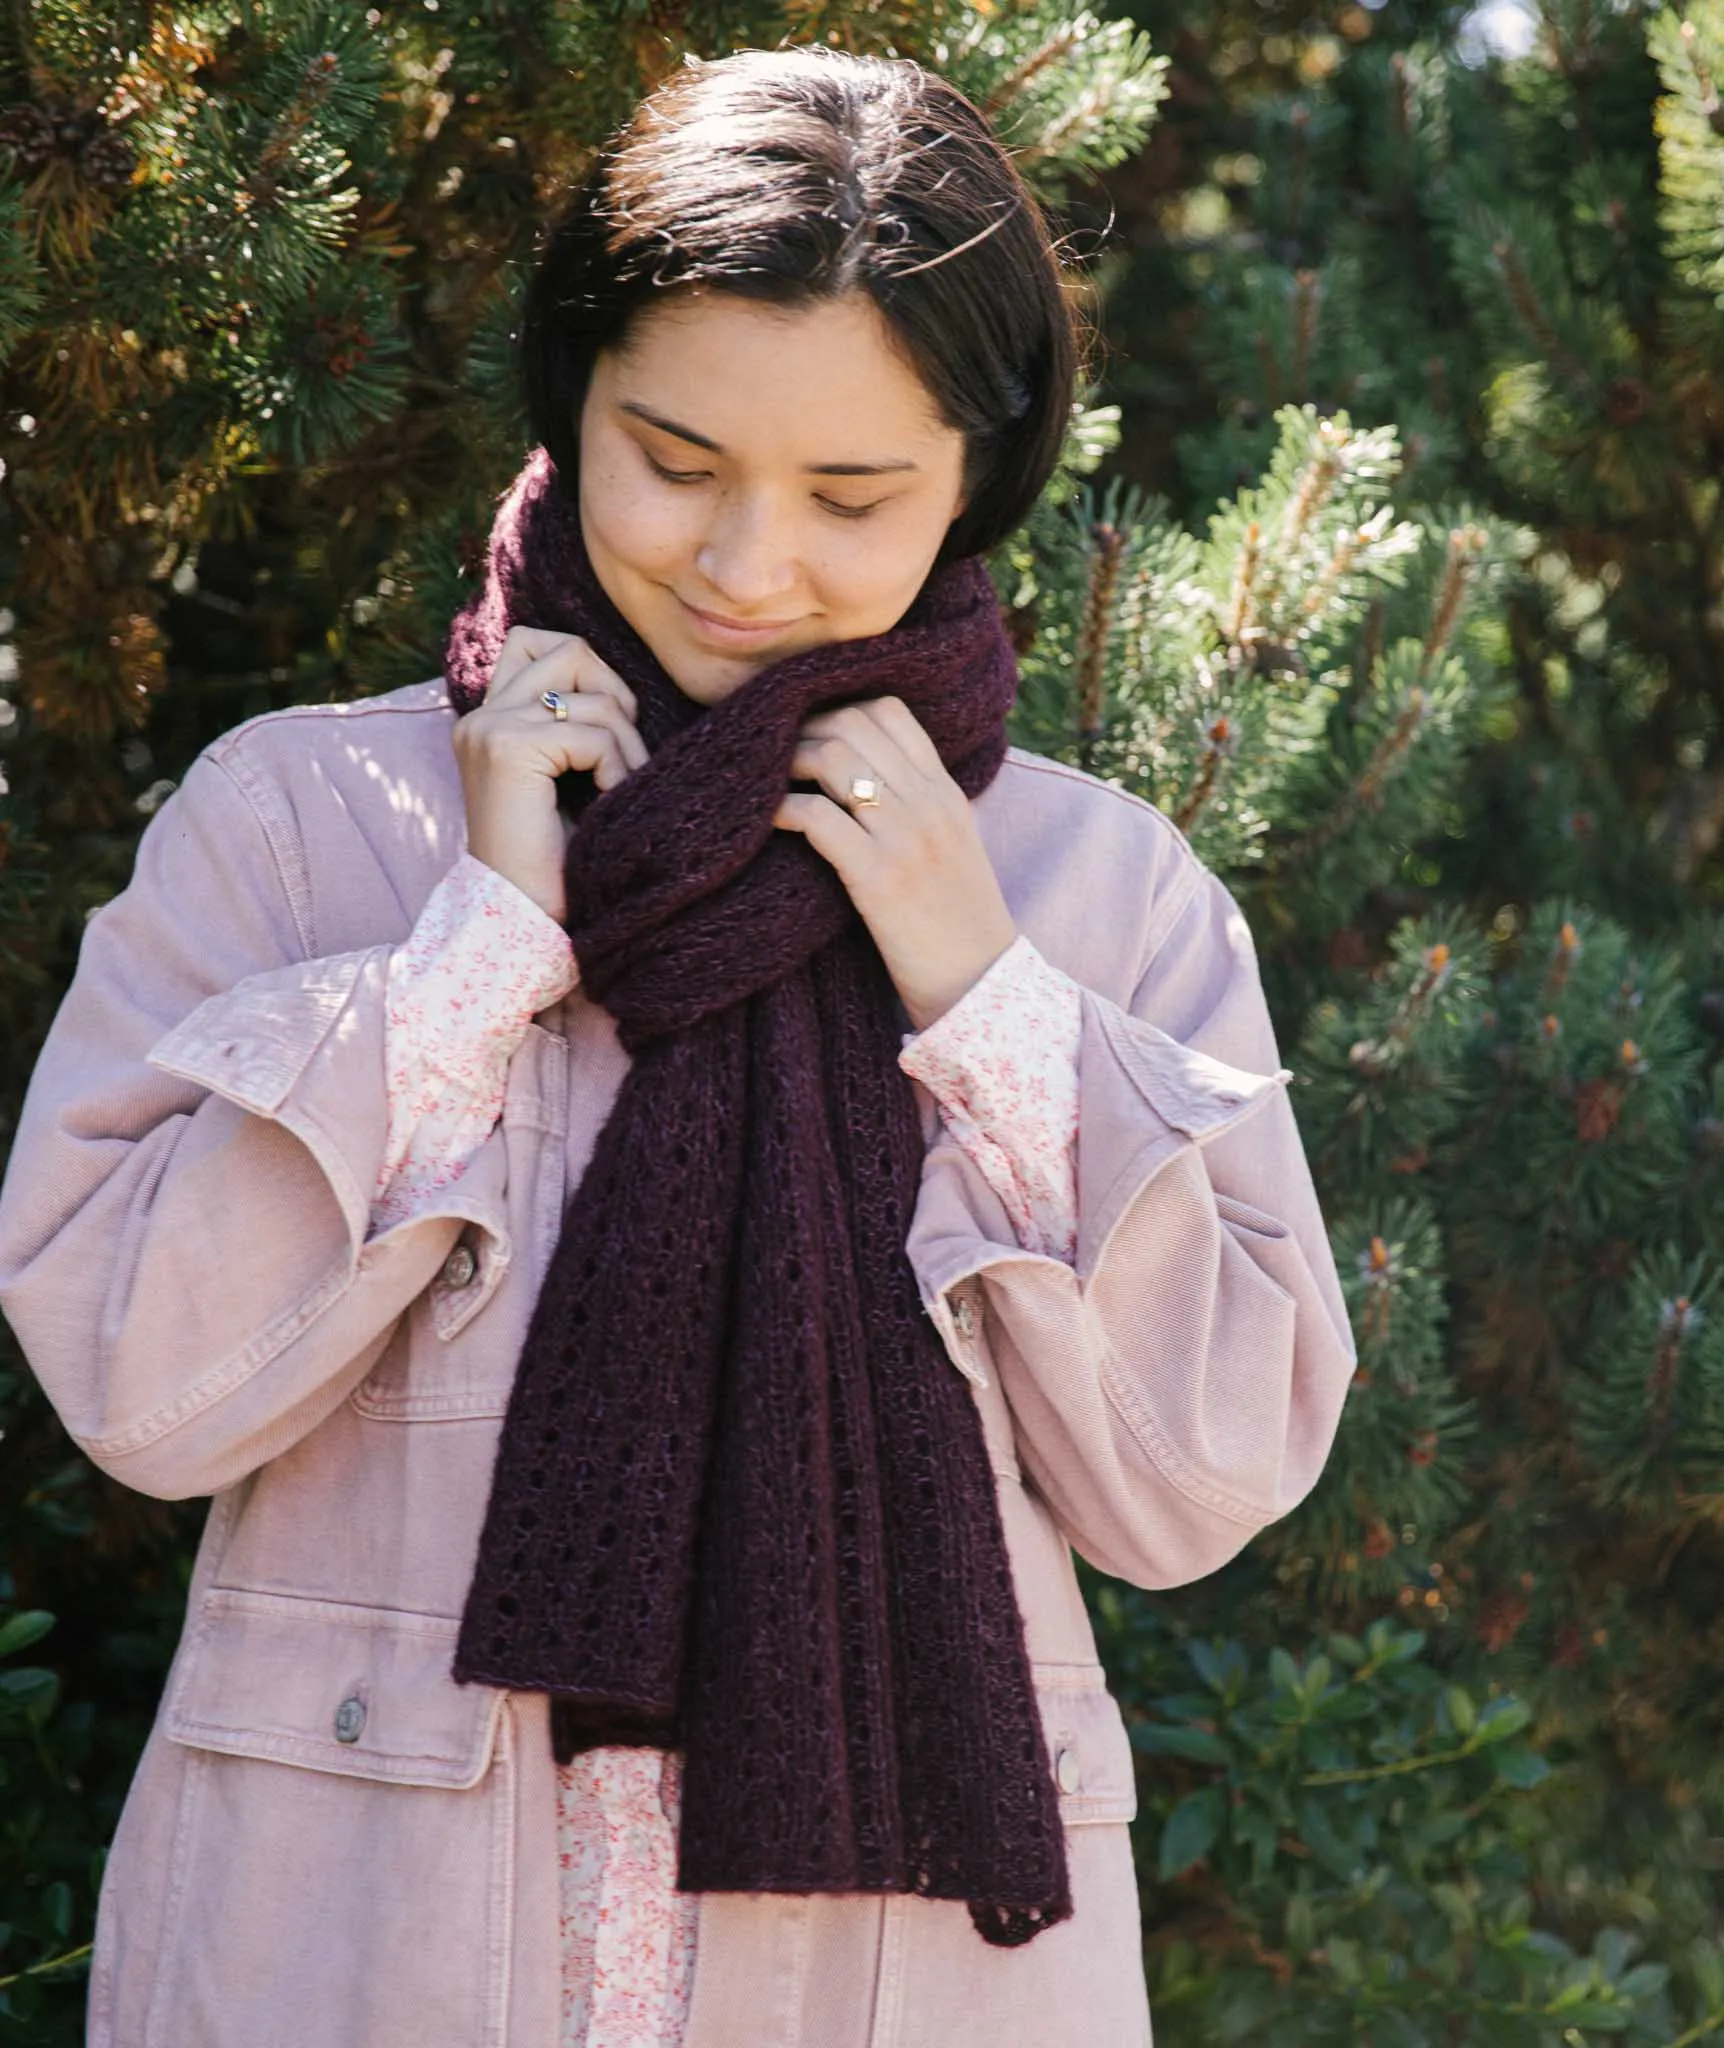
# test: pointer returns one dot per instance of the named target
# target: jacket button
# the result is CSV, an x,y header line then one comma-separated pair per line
x,y
1068,1770
349,1719
459,1267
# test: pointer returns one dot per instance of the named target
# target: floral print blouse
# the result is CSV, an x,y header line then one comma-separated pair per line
x,y
481,961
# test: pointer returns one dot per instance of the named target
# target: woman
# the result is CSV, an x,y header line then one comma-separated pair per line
x,y
663,1181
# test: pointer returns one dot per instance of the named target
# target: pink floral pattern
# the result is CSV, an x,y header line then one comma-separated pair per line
x,y
628,1933
481,961
1003,1065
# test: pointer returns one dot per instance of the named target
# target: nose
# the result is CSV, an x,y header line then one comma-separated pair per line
x,y
747,555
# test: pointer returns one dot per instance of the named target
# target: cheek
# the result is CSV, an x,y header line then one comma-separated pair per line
x,y
870,576
628,516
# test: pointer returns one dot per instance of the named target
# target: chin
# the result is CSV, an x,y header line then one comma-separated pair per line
x,y
704,676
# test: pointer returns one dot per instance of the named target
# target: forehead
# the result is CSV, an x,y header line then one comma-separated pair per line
x,y
829,376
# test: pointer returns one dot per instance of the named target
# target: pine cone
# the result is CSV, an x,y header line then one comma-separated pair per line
x,y
108,161
29,134
57,127
1626,400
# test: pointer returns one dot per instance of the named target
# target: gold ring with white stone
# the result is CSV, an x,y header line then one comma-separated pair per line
x,y
553,703
864,792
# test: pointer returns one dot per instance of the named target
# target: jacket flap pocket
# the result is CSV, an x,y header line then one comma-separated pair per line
x,y
362,1691
1088,1747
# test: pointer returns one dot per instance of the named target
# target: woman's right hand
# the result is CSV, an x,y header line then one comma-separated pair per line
x,y
510,751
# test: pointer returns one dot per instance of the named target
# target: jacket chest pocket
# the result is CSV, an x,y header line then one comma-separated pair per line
x,y
453,1356
342,1796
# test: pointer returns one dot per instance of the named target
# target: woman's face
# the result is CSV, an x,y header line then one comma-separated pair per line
x,y
756,480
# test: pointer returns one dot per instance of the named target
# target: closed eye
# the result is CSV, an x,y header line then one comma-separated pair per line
x,y
675,476
699,476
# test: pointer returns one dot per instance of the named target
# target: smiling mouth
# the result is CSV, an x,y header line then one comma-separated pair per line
x,y
735,629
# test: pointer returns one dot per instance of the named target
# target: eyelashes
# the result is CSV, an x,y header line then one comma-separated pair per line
x,y
674,476
700,476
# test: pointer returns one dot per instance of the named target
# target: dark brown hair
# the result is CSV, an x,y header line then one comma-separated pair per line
x,y
794,176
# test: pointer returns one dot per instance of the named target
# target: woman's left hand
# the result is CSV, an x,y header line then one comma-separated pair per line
x,y
913,862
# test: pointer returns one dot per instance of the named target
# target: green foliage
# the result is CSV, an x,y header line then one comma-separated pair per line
x,y
1507,1102
1232,679
34,1935
1068,93
1356,1818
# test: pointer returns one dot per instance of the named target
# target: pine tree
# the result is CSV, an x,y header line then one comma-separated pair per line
x,y
1502,1015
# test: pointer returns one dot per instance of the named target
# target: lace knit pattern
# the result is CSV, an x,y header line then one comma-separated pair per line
x,y
741,1504
628,1936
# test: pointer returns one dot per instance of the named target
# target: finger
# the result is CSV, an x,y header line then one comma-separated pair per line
x,y
522,646
893,717
610,768
554,661
828,828
583,710
528,738
871,742
835,764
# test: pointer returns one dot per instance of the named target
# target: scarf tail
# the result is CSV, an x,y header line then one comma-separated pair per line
x,y
585,1572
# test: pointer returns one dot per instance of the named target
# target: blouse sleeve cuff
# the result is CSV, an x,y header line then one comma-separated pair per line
x,y
1008,1045
492,956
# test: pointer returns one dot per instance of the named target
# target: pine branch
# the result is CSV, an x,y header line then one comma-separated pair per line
x,y
1511,268
1220,742
1307,298
1315,488
289,127
1096,632
1050,51
1243,606
1366,788
1467,547
1377,1055
1563,954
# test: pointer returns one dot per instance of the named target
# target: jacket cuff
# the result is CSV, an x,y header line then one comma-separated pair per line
x,y
302,1045
1148,1096
1144,1098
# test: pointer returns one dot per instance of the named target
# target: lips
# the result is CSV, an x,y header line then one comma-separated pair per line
x,y
734,632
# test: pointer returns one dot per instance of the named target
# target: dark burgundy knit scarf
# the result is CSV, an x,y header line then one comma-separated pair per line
x,y
741,1503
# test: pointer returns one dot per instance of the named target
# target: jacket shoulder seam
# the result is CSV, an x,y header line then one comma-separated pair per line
x,y
232,754
1191,869
387,705
1045,764
1167,915
286,854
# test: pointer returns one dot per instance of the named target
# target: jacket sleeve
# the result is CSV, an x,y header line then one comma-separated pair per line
x,y
183,1225
1178,1387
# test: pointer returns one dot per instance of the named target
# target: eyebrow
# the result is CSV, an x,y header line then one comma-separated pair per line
x,y
654,419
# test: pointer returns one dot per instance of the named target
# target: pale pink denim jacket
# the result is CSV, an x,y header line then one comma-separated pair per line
x,y
329,1843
